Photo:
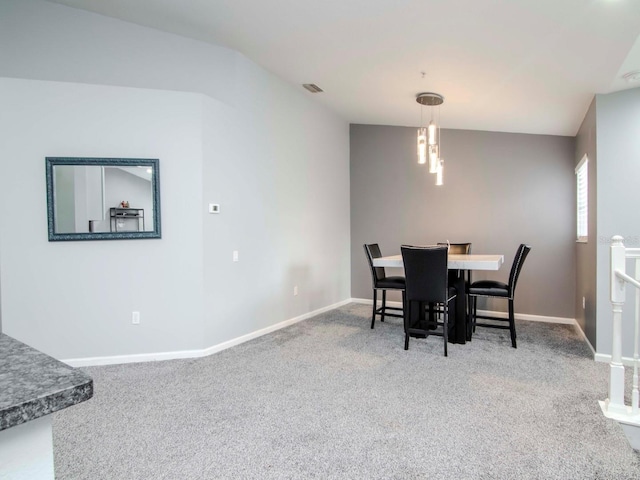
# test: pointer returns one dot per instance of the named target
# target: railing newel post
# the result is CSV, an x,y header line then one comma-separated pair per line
x,y
616,371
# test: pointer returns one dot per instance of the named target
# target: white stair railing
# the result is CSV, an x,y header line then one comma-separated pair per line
x,y
614,407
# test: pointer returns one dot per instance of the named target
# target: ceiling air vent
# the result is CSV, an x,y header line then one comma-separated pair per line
x,y
632,77
312,87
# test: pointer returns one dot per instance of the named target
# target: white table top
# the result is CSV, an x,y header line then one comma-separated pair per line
x,y
456,262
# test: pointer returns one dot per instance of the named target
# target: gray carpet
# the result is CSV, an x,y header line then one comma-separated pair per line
x,y
330,398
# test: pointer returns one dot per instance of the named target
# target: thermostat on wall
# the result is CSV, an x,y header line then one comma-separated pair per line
x,y
214,208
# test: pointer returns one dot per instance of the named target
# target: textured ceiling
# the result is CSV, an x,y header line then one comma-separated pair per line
x,y
528,66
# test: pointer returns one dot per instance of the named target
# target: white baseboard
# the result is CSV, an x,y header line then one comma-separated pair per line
x,y
258,333
606,358
532,318
182,354
519,316
151,357
584,337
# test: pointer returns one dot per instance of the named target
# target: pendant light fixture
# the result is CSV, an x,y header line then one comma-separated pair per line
x,y
429,137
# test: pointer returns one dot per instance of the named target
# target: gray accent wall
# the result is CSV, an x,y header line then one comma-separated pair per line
x,y
500,190
586,252
618,172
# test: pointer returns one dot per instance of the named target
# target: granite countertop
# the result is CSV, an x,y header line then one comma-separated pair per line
x,y
33,384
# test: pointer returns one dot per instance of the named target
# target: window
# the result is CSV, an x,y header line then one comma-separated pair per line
x,y
582,188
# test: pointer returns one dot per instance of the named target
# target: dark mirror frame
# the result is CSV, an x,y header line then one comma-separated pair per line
x,y
129,162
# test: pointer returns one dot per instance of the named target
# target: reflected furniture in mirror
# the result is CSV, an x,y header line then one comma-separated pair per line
x,y
117,217
103,198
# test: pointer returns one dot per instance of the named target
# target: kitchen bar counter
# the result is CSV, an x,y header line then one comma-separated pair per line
x,y
32,386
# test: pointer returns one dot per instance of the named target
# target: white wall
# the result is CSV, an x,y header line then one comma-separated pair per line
x,y
276,162
281,176
618,172
53,42
74,299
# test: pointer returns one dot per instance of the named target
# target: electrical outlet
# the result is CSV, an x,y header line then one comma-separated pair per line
x,y
295,290
235,255
135,318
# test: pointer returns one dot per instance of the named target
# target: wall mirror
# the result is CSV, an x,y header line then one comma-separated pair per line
x,y
103,198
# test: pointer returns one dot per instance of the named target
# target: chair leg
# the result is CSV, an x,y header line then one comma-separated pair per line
x,y
384,305
375,304
445,326
468,317
407,316
474,312
512,324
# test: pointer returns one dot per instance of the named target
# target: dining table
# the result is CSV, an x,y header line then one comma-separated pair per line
x,y
459,331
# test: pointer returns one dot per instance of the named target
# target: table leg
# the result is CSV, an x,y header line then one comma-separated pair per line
x,y
458,314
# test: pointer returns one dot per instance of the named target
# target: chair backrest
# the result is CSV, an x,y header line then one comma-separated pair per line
x,y
458,248
518,261
377,273
425,271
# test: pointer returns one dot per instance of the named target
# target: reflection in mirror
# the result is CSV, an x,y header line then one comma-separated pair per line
x,y
103,198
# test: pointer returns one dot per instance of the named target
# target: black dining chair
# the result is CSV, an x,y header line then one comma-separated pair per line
x,y
426,279
380,281
494,289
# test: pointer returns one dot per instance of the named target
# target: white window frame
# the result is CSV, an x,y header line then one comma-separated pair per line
x,y
582,200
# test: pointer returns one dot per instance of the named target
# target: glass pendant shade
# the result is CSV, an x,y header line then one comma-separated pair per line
x,y
433,158
433,129
422,145
439,172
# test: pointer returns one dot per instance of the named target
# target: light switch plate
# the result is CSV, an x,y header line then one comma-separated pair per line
x,y
214,208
